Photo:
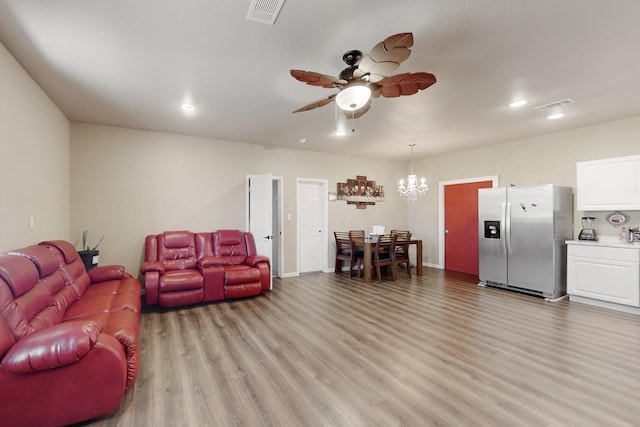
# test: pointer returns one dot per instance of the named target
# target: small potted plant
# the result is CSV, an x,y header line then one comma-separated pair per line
x,y
89,254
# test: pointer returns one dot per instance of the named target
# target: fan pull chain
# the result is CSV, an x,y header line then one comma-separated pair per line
x,y
353,121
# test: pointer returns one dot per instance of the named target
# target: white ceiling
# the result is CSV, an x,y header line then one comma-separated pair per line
x,y
133,63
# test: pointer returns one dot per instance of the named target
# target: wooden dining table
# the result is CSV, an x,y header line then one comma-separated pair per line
x,y
367,244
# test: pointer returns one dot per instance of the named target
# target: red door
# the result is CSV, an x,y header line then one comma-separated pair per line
x,y
461,226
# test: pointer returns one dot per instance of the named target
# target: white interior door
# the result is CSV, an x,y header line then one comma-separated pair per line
x,y
261,213
311,225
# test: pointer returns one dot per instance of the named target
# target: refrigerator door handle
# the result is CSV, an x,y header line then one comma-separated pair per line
x,y
507,222
503,226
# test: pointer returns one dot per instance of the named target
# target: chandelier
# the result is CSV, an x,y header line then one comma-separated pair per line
x,y
412,191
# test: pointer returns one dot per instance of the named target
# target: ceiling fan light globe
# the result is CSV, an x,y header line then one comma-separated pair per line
x,y
353,98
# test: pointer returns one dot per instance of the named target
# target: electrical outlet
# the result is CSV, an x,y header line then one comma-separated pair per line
x,y
31,222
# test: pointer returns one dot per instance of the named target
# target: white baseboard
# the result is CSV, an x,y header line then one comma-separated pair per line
x,y
604,304
286,275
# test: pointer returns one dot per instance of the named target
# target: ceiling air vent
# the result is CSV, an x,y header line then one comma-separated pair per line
x,y
552,105
265,11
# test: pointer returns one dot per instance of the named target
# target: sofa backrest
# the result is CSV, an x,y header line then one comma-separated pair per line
x,y
175,249
33,291
204,244
230,246
70,264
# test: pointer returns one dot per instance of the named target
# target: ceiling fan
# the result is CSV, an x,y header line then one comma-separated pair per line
x,y
368,76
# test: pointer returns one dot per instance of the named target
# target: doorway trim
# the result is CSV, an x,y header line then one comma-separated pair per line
x,y
493,178
279,208
325,222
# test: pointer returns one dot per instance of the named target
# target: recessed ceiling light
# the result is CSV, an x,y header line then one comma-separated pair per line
x,y
555,116
187,107
302,140
519,103
340,133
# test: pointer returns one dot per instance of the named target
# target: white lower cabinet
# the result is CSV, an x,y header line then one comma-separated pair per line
x,y
604,273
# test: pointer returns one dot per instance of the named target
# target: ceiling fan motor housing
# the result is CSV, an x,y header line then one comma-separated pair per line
x,y
351,58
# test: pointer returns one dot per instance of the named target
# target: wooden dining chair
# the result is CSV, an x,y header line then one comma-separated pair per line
x,y
356,233
402,248
359,254
344,252
384,254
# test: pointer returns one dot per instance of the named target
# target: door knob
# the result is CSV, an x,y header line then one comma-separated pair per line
x,y
446,231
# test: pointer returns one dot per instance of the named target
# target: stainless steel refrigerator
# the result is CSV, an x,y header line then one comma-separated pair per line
x,y
522,238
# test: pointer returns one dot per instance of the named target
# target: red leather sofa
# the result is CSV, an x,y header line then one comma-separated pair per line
x,y
184,268
68,338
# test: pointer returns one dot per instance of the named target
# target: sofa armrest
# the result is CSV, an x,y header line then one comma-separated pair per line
x,y
253,260
152,287
53,347
107,272
209,261
152,266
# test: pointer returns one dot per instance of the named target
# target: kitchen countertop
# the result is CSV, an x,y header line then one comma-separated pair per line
x,y
605,242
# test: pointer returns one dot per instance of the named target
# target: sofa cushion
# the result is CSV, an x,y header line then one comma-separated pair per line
x,y
45,261
235,274
66,249
70,264
106,297
178,239
20,274
242,290
229,246
181,280
123,294
177,250
53,347
52,279
6,337
230,237
25,301
178,298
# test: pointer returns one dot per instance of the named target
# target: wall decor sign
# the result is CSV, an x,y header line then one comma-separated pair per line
x,y
360,192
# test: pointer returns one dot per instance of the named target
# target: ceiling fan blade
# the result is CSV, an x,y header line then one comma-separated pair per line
x,y
385,57
405,84
381,53
320,103
316,79
375,70
399,40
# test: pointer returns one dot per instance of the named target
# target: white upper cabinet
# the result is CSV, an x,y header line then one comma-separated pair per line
x,y
609,184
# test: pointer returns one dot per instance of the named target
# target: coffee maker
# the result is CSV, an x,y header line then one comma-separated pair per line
x,y
587,232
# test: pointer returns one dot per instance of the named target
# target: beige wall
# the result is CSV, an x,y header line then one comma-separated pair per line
x,y
34,161
546,159
130,183
126,183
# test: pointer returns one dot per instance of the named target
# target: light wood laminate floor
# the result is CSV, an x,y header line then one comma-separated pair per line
x,y
324,350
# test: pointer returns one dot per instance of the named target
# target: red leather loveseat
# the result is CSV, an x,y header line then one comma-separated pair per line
x,y
68,338
184,268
